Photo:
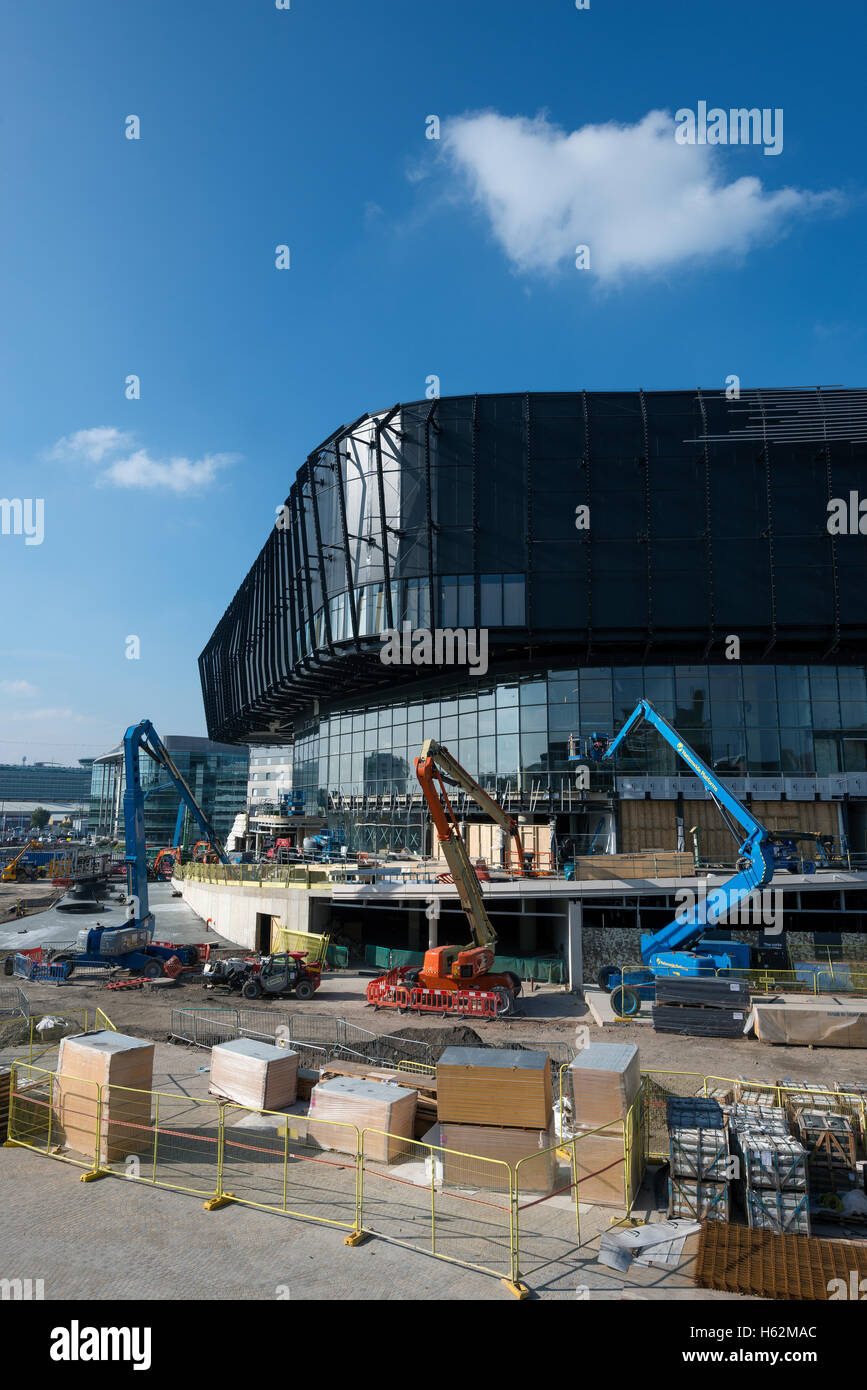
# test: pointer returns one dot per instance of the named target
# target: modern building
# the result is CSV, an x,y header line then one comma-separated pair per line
x,y
38,783
593,548
216,774
270,777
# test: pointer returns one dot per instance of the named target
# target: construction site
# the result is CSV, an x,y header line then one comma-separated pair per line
x,y
679,1112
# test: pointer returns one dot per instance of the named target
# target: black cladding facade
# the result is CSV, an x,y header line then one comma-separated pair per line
x,y
706,517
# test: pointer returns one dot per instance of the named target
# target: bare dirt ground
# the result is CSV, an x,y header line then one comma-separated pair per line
x,y
547,1014
36,897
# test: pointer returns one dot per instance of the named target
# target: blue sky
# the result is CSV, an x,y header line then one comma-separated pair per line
x,y
409,257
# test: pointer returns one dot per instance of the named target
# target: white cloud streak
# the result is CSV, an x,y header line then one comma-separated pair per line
x,y
137,469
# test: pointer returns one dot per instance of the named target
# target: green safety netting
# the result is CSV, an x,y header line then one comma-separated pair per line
x,y
547,970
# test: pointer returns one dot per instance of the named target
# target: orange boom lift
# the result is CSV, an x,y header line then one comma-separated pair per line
x,y
455,979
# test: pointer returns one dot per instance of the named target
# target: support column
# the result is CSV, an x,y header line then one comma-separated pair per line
x,y
526,934
575,948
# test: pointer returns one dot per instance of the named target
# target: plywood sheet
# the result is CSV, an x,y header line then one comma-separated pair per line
x,y
494,1086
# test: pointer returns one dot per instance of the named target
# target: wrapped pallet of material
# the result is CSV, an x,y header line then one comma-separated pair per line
x,y
604,1082
698,1200
607,1166
494,1086
256,1074
530,1154
347,1103
771,1160
784,1213
123,1067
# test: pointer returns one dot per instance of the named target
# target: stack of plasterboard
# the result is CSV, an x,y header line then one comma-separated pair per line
x,y
473,1156
494,1086
604,1082
346,1104
496,1104
123,1068
255,1074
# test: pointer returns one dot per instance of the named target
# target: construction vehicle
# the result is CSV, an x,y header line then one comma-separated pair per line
x,y
681,948
131,946
455,979
284,972
17,871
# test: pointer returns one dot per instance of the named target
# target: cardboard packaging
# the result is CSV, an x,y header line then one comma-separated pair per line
x,y
467,1146
607,1168
113,1061
811,1023
494,1086
255,1074
385,1110
604,1082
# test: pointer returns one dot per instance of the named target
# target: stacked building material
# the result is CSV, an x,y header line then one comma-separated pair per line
x,y
122,1067
496,1103
773,1170
830,1143
699,1006
348,1103
604,1083
699,1159
425,1087
763,1265
255,1074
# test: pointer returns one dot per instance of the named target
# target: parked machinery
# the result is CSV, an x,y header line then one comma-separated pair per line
x,y
455,979
257,977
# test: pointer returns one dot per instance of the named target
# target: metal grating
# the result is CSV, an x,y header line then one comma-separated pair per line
x,y
733,1259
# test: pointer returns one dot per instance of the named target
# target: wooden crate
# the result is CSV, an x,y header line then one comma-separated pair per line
x,y
468,1146
604,1081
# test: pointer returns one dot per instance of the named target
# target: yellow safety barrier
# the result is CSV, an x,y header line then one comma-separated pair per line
x,y
292,1164
163,1139
54,1115
436,1199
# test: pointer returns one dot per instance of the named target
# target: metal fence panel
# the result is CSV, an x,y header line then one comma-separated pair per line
x,y
159,1138
272,1160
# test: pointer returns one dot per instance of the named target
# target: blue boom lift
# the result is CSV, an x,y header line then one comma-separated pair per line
x,y
681,948
131,945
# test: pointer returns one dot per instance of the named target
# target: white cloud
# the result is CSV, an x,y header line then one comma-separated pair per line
x,y
65,716
176,474
17,687
90,446
138,469
639,200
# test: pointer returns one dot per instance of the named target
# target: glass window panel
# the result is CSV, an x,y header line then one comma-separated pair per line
x,y
513,600
534,752
563,716
729,750
761,714
793,712
507,721
852,683
488,757
507,755
855,754
534,692
828,755
487,721
506,695
823,683
796,750
448,601
468,725
534,718
759,683
449,729
763,750
491,610
826,714
793,683
853,714
468,755
465,601
596,715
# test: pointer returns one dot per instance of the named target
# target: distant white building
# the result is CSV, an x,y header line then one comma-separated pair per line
x,y
270,776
